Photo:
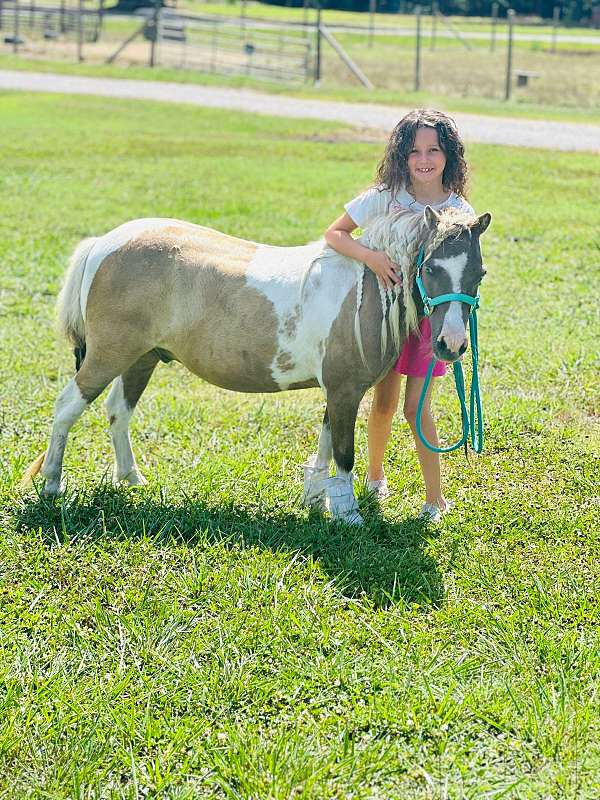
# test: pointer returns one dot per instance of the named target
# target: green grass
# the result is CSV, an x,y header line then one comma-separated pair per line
x,y
205,636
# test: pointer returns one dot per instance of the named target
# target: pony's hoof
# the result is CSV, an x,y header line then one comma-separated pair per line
x,y
313,495
314,502
133,478
341,501
52,488
351,518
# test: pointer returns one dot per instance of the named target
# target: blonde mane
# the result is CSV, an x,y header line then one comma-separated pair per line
x,y
400,234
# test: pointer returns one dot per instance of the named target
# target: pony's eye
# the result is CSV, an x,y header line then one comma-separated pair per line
x,y
429,270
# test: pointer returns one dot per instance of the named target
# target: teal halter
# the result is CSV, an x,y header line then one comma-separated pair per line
x,y
471,423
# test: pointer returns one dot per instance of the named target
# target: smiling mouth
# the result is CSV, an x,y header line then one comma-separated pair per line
x,y
425,169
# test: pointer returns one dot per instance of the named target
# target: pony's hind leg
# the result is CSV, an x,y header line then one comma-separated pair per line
x,y
70,405
94,376
120,404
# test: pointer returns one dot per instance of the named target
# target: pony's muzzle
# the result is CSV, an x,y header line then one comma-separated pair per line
x,y
445,351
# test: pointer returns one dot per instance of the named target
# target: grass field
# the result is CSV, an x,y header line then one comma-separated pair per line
x,y
206,637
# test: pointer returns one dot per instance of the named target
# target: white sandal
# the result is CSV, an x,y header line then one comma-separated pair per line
x,y
379,489
434,514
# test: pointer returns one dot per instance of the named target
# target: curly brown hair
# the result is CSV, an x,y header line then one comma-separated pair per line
x,y
392,172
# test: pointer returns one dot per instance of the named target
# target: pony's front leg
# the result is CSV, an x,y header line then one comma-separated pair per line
x,y
316,469
342,406
70,405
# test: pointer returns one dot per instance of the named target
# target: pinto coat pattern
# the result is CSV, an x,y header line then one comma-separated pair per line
x,y
248,317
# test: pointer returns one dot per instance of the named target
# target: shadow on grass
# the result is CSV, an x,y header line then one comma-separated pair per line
x,y
382,561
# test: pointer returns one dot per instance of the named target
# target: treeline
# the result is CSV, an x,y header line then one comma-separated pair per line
x,y
570,10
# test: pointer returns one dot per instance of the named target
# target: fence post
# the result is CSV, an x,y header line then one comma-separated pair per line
x,y
318,48
418,50
510,18
555,21
154,37
1,9
494,23
16,29
434,13
372,9
80,24
62,22
213,47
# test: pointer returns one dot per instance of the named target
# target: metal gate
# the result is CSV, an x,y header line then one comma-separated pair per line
x,y
229,46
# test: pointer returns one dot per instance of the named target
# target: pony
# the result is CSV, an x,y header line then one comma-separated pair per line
x,y
254,317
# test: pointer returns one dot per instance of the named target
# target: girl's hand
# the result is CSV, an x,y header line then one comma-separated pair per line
x,y
384,268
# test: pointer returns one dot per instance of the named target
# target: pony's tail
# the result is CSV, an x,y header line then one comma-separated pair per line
x,y
32,470
70,319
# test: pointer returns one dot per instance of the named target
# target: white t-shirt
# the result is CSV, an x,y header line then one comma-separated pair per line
x,y
376,202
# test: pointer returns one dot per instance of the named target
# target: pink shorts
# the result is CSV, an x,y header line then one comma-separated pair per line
x,y
417,353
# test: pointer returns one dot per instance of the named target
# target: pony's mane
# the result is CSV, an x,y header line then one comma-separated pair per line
x,y
401,234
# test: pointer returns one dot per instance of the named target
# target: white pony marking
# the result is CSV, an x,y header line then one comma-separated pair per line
x,y
119,413
453,326
304,322
69,406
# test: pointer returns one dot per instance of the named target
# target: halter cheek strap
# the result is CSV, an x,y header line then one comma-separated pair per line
x,y
472,423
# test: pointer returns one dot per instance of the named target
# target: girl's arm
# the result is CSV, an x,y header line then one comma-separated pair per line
x,y
338,236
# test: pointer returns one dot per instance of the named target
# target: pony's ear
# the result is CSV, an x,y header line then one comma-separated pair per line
x,y
431,217
484,221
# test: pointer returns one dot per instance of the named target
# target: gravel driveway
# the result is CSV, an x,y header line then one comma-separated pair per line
x,y
474,128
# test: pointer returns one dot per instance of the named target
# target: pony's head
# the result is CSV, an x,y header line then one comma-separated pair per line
x,y
452,265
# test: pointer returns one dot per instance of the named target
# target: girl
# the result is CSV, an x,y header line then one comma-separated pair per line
x,y
423,164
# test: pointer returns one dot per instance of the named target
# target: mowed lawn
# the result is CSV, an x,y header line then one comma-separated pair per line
x,y
205,637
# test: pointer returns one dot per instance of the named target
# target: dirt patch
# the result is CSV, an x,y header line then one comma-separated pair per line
x,y
366,135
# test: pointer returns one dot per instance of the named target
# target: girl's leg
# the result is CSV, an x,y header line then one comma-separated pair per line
x,y
429,461
383,408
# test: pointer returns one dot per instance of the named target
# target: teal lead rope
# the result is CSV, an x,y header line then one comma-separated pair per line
x,y
472,420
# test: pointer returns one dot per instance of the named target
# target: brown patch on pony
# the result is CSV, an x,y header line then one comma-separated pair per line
x,y
136,378
345,376
290,323
284,361
182,290
311,383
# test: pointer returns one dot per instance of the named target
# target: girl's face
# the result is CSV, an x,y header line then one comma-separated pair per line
x,y
426,160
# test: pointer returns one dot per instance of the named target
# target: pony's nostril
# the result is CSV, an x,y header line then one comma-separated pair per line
x,y
462,349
